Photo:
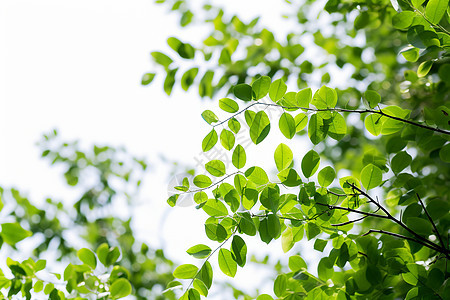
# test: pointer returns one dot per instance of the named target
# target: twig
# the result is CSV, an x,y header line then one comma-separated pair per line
x,y
431,221
349,222
368,214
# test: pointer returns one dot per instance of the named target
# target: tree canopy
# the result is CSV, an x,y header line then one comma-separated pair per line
x,y
363,85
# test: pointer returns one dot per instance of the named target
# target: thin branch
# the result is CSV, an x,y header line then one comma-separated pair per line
x,y
359,111
354,211
212,185
401,237
431,221
211,254
432,245
349,222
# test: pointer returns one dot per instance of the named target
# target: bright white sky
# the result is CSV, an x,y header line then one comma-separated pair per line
x,y
76,66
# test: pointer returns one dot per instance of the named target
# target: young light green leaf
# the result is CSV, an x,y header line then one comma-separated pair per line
x,y
209,117
310,163
270,198
347,184
280,285
257,175
287,125
239,250
338,127
260,127
260,87
243,91
373,98
300,122
435,10
410,53
206,274
188,78
274,227
215,168
162,59
277,90
227,263
326,176
239,157
234,125
283,156
227,139
200,287
403,19
424,68
228,105
202,181
87,257
186,271
373,124
215,208
169,81
371,177
249,117
199,251
120,288
209,141
12,233
147,78
316,129
303,98
325,97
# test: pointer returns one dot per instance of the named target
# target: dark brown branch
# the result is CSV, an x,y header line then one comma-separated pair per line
x,y
368,214
431,221
349,222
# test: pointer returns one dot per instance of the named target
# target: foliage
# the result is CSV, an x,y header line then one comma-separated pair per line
x,y
113,264
373,190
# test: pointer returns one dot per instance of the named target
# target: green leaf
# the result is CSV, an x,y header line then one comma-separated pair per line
x,y
403,19
400,161
312,230
270,197
264,297
347,184
373,124
87,257
147,78
424,68
371,176
283,157
410,53
280,285
227,139
325,97
260,87
303,98
170,81
186,271
215,168
249,117
12,233
301,120
215,208
120,288
206,274
326,176
209,141
201,287
209,117
373,98
243,91
277,90
188,78
228,105
419,225
338,127
215,232
227,263
273,226
257,175
310,163
239,250
444,153
246,224
435,10
316,129
260,127
162,59
239,157
289,177
199,251
296,263
234,125
319,245
202,181
287,125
